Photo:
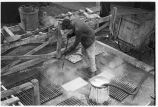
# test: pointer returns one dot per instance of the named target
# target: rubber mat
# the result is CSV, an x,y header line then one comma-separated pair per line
x,y
71,102
118,94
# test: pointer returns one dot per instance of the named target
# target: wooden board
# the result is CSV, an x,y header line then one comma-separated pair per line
x,y
29,53
23,66
16,89
38,39
9,32
10,101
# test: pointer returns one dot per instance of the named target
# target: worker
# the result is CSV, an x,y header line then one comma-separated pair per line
x,y
84,35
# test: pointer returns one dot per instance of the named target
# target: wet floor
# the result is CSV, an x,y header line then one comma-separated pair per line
x,y
111,67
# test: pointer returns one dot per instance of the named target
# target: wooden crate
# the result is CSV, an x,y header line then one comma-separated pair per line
x,y
135,29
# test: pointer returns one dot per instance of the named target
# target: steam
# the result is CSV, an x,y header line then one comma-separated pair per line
x,y
57,75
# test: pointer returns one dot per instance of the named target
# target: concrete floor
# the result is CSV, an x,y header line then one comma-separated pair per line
x,y
111,67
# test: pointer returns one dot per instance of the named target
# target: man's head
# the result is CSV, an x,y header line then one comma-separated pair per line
x,y
66,24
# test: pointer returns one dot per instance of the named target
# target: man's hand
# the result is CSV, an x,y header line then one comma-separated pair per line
x,y
61,57
69,36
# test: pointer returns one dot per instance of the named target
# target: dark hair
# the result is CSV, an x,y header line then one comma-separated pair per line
x,y
66,24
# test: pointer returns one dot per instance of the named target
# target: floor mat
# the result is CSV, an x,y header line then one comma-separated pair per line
x,y
118,94
47,92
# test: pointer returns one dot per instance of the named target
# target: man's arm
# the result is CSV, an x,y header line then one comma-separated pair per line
x,y
71,34
72,48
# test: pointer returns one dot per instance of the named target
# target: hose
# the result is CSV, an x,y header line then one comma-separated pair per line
x,y
130,93
137,88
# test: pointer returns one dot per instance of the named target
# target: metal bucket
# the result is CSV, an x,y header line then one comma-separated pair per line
x,y
29,17
99,93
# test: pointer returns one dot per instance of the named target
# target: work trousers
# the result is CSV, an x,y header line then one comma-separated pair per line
x,y
89,57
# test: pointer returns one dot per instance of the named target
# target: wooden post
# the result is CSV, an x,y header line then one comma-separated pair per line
x,y
36,93
98,5
112,20
59,41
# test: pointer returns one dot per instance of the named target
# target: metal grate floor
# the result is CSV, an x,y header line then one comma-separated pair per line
x,y
47,92
71,101
118,94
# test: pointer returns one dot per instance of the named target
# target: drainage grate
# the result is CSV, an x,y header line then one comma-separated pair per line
x,y
118,94
47,92
71,101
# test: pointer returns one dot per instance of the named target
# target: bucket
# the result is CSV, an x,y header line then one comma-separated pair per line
x,y
29,17
99,93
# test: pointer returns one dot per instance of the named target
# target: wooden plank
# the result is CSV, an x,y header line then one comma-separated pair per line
x,y
36,31
11,37
38,39
38,59
9,32
10,101
15,90
129,59
105,19
23,66
3,70
89,10
49,55
102,27
12,96
36,93
59,42
45,56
